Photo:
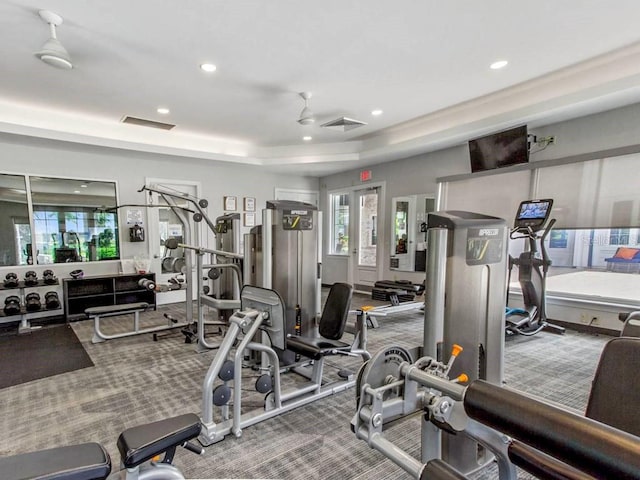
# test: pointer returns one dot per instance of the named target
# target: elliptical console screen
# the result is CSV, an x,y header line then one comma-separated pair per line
x,y
533,213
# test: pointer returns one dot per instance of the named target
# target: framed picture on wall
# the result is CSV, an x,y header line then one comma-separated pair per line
x,y
250,204
230,203
249,219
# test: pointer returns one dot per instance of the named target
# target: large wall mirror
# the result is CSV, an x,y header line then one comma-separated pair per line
x,y
74,220
47,220
15,228
408,236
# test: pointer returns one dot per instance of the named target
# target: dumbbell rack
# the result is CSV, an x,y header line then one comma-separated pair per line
x,y
26,316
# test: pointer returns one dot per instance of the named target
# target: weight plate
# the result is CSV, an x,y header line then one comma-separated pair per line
x,y
221,395
383,365
203,202
167,264
197,217
178,264
359,382
226,372
264,383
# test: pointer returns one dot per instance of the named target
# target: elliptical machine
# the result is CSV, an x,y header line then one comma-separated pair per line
x,y
533,265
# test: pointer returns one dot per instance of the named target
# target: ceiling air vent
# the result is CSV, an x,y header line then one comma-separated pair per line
x,y
147,123
343,124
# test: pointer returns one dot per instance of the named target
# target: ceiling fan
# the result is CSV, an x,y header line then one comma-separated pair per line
x,y
306,116
53,53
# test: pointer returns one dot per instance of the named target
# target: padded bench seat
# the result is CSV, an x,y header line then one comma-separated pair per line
x,y
315,348
142,443
87,461
115,309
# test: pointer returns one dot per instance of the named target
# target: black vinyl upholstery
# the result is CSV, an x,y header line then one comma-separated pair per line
x,y
593,447
87,461
332,324
139,444
615,396
543,466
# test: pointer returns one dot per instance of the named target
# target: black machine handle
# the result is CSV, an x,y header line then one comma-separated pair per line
x,y
193,448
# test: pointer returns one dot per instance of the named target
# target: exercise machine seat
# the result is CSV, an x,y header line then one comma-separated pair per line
x,y
87,461
331,327
141,443
614,397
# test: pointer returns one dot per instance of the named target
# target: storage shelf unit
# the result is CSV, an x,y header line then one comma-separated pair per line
x,y
24,315
105,290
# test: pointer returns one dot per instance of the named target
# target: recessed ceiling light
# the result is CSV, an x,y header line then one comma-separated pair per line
x,y
307,138
84,185
163,111
76,191
208,67
498,65
376,112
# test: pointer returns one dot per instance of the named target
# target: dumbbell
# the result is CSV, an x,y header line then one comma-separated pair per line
x,y
11,280
147,284
51,300
32,302
30,278
49,277
12,305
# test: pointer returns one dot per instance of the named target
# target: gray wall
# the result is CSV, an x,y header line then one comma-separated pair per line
x,y
417,175
27,155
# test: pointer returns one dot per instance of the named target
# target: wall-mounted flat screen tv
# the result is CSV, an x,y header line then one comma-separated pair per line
x,y
501,149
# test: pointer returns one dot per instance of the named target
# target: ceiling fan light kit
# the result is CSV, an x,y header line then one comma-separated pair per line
x,y
53,52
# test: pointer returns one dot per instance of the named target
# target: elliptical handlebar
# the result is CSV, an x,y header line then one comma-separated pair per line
x,y
543,249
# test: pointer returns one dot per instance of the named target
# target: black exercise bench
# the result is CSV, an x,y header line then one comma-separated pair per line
x,y
90,461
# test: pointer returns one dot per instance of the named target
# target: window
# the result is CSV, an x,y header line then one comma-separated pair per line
x,y
339,224
619,236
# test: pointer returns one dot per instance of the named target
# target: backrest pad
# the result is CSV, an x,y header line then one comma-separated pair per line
x,y
615,396
336,311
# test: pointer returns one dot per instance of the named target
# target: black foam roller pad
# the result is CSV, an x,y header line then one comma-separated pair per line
x,y
590,446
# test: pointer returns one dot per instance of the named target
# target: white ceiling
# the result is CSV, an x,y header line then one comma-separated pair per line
x,y
424,62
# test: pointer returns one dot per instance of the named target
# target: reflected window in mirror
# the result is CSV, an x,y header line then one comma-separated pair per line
x,y
74,220
15,229
339,223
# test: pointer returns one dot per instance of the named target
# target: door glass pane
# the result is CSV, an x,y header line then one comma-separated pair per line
x,y
368,229
170,226
401,227
340,223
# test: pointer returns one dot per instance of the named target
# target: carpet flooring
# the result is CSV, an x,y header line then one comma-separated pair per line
x,y
137,380
42,353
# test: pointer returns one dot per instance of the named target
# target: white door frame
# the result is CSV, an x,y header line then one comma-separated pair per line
x,y
352,258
